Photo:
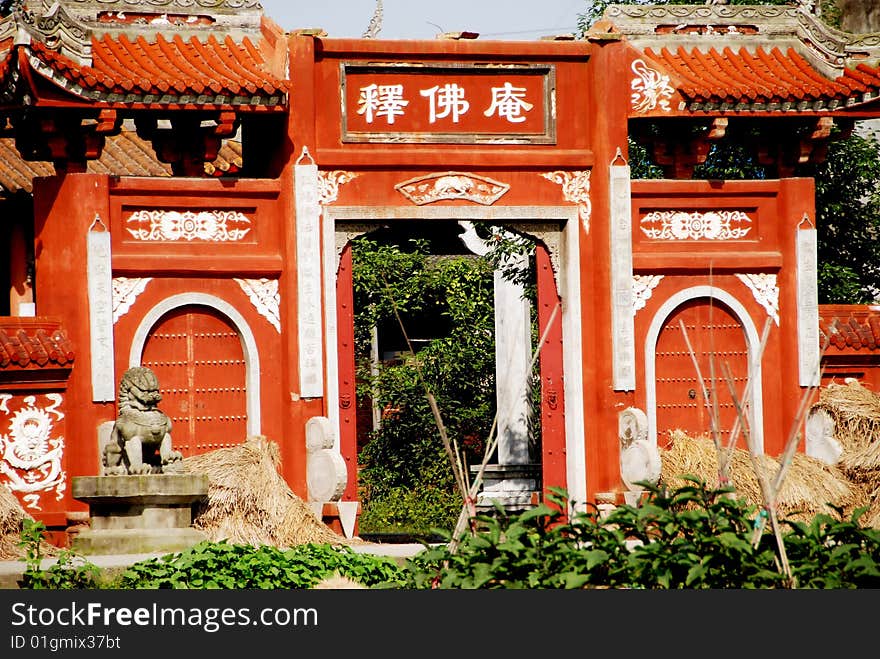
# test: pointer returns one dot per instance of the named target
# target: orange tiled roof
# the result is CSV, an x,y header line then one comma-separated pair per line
x,y
743,58
849,327
132,54
167,71
773,79
26,345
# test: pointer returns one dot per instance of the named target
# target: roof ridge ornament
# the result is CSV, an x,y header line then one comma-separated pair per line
x,y
56,29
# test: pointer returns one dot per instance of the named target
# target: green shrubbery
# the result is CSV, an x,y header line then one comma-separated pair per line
x,y
690,538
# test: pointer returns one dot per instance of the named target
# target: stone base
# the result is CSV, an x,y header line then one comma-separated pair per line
x,y
139,514
514,486
135,541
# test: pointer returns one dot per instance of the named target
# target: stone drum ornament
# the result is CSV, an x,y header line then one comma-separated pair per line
x,y
140,441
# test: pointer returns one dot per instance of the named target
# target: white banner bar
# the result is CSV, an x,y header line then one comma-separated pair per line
x,y
100,283
308,269
808,306
622,321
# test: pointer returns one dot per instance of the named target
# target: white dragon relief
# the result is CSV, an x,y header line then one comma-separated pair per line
x,y
30,457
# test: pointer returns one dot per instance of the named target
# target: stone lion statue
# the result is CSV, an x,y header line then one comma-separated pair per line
x,y
140,442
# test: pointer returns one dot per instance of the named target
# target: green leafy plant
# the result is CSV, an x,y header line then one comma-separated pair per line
x,y
222,565
69,572
834,553
693,537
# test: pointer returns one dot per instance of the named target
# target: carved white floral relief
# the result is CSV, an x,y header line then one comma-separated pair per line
x,y
575,189
125,292
643,288
329,182
188,226
264,295
765,290
651,89
696,225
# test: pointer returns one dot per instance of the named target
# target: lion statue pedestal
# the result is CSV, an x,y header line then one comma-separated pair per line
x,y
143,501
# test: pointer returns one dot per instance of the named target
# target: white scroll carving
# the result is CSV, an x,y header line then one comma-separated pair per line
x,y
308,268
643,287
100,288
575,189
30,453
125,292
650,88
808,307
452,185
188,226
696,225
765,290
622,326
329,182
263,294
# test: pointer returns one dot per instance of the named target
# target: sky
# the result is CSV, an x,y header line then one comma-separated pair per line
x,y
420,19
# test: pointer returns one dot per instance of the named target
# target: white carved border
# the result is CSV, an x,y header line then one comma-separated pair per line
x,y
756,409
766,292
263,294
125,292
569,291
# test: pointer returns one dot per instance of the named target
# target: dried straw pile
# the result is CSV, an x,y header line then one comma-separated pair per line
x,y
250,503
809,485
855,410
11,517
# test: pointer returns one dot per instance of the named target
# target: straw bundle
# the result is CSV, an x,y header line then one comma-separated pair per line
x,y
809,485
12,515
856,413
855,410
250,503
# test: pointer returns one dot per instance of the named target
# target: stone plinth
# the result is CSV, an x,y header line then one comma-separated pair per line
x,y
514,486
139,514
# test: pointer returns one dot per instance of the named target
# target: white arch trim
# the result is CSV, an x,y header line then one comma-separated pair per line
x,y
753,342
248,343
569,292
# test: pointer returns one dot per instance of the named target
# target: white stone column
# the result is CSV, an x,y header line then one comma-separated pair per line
x,y
512,375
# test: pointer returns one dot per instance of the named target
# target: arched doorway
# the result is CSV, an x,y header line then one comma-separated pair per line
x,y
197,356
709,332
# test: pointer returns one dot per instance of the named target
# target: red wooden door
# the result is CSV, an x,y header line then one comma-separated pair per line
x,y
719,345
199,361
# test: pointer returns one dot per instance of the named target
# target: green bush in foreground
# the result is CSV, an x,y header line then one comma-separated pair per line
x,y
689,538
221,565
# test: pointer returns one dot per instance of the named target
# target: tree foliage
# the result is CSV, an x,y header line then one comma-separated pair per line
x,y
456,364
